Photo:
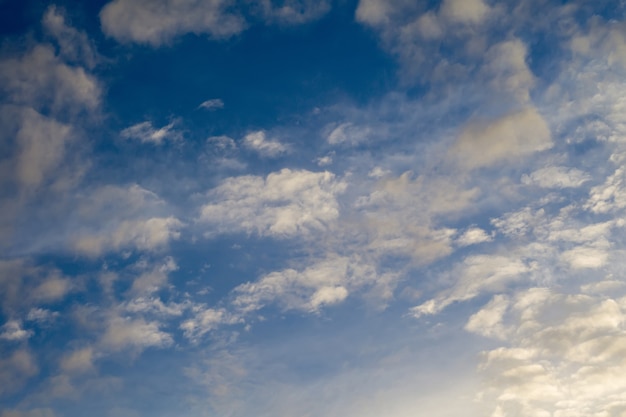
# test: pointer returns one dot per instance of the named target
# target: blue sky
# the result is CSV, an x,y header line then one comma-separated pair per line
x,y
312,208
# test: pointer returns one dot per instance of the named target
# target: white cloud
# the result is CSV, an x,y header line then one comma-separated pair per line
x,y
321,284
473,236
507,71
146,133
556,177
403,215
42,142
465,11
212,104
205,320
12,330
136,334
610,196
42,80
506,139
475,275
285,203
145,235
78,361
41,315
563,354
74,45
153,278
160,21
114,218
258,142
348,133
16,368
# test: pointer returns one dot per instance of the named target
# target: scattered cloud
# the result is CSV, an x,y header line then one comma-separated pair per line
x,y
146,133
258,142
157,23
212,104
506,139
283,204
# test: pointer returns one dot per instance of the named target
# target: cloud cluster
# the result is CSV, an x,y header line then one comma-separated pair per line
x,y
283,204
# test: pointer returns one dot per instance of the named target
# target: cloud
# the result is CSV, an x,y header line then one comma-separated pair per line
x,y
404,215
74,45
212,104
556,177
506,139
476,274
206,320
473,236
562,353
324,283
78,361
348,133
39,78
41,147
258,142
465,11
146,133
12,331
158,22
293,12
16,368
24,285
114,218
136,334
153,279
284,204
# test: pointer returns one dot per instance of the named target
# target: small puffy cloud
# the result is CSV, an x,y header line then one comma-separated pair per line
x,y
508,138
41,315
284,204
258,142
12,331
157,22
153,278
465,11
146,133
473,236
610,196
135,334
24,286
212,104
556,177
374,12
205,320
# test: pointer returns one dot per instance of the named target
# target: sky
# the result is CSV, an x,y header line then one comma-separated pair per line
x,y
313,208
